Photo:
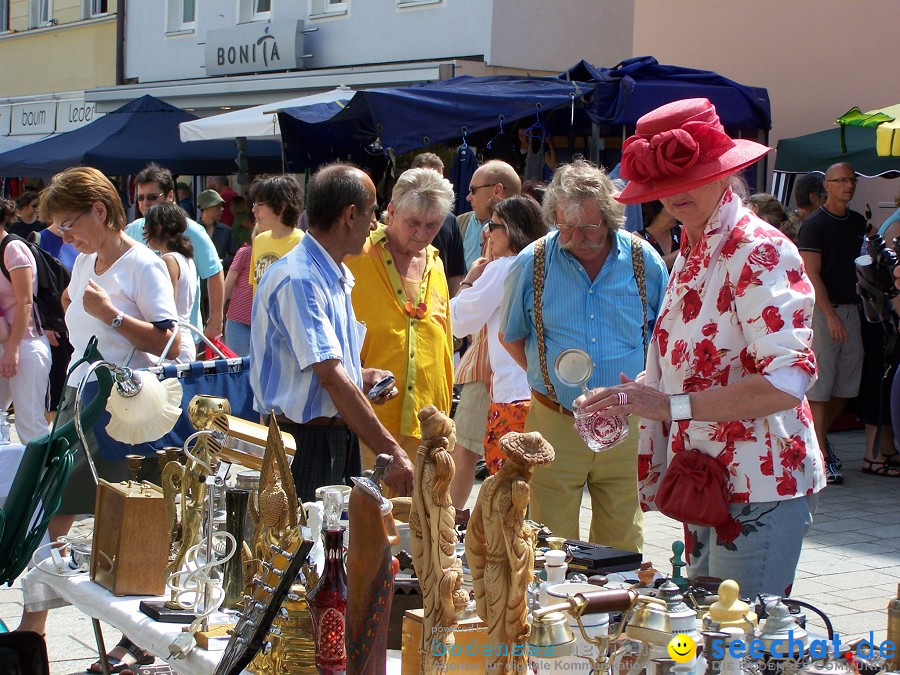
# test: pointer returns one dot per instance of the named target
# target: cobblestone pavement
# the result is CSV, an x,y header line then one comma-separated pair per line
x,y
850,566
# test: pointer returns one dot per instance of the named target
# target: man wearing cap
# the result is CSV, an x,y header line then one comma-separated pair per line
x,y
220,185
829,241
306,342
592,286
154,185
211,207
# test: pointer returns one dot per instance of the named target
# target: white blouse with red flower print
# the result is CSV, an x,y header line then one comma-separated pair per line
x,y
738,303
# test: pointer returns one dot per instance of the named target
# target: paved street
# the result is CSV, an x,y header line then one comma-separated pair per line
x,y
850,565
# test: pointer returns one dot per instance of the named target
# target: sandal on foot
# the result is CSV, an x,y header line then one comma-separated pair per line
x,y
880,469
138,657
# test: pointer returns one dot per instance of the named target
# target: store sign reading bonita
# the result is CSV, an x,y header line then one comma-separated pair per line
x,y
254,47
268,50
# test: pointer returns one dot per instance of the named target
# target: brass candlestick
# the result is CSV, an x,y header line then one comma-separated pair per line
x,y
134,467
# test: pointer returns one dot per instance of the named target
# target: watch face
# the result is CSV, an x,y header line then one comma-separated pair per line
x,y
680,407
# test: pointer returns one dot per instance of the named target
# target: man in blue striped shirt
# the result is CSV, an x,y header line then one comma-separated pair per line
x,y
590,301
305,342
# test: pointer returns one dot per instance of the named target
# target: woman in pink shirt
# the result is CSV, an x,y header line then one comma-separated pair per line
x,y
25,359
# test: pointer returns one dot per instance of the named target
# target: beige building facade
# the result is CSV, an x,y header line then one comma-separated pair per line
x,y
52,51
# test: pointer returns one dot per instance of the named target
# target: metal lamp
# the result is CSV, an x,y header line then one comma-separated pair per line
x,y
141,408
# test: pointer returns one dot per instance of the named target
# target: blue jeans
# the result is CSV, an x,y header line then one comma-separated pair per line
x,y
758,549
237,337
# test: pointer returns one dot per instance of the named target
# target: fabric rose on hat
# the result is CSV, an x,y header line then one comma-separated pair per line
x,y
672,152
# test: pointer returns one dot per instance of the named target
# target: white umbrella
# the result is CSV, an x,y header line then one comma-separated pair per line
x,y
257,122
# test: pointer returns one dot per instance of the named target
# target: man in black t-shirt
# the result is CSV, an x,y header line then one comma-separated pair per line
x,y
830,239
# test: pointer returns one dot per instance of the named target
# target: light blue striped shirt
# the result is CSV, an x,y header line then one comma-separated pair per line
x,y
302,315
602,317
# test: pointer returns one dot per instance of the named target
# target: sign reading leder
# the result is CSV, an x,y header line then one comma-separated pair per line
x,y
254,47
75,113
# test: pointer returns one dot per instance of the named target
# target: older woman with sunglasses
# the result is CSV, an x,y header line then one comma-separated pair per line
x,y
515,223
724,393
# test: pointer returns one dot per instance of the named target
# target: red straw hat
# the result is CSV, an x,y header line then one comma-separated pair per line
x,y
678,147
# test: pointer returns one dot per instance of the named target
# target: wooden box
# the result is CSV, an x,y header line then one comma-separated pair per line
x,y
131,538
468,654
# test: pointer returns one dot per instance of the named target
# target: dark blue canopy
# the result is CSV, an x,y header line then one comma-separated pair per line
x,y
413,117
127,139
636,86
417,116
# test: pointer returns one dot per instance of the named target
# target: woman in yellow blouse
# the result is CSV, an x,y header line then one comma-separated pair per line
x,y
401,296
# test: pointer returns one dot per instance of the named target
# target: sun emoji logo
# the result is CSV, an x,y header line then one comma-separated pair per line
x,y
682,648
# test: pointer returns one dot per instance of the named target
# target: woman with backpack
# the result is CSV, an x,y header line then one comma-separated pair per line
x,y
25,359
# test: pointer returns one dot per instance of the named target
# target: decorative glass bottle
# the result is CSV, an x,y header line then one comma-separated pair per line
x,y
328,600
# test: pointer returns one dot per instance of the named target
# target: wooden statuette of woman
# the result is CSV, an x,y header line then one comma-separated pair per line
x,y
500,549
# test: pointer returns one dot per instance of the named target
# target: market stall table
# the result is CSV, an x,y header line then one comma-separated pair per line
x,y
123,614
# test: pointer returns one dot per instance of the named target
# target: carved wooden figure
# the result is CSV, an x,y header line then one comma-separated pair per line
x,y
500,550
433,539
370,580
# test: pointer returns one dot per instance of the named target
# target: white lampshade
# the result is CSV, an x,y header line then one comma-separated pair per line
x,y
147,416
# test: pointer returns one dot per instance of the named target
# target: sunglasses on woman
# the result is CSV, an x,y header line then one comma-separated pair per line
x,y
491,226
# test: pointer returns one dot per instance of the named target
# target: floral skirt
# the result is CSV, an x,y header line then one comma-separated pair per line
x,y
502,418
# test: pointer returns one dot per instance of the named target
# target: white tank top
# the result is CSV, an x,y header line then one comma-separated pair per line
x,y
184,301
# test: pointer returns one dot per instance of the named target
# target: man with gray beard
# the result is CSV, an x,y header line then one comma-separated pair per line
x,y
593,286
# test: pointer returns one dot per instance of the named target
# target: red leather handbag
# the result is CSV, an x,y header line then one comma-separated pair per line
x,y
694,490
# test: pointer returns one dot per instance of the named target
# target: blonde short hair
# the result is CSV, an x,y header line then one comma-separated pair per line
x,y
423,191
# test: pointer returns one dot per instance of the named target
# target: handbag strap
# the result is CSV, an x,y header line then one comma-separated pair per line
x,y
637,261
540,270
193,329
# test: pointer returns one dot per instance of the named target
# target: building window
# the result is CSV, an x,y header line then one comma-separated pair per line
x,y
262,9
327,7
93,8
181,15
4,16
41,13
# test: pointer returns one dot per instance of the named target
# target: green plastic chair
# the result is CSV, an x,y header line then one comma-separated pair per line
x,y
36,491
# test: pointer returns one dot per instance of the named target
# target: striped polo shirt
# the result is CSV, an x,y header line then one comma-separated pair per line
x,y
302,315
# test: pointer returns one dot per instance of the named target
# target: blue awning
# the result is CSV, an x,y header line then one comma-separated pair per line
x,y
127,139
413,117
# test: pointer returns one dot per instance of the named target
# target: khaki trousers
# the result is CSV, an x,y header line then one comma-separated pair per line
x,y
611,478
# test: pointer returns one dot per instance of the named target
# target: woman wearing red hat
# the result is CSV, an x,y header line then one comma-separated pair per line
x,y
727,444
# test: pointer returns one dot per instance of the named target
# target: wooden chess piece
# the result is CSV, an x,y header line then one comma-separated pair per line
x,y
678,564
433,539
500,549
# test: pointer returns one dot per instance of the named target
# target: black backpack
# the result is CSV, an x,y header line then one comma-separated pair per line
x,y
52,279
